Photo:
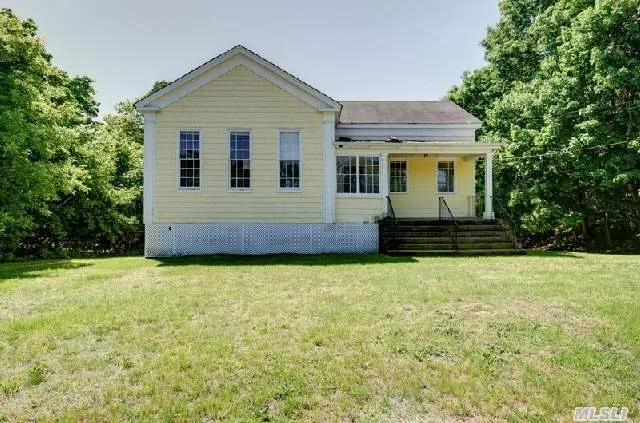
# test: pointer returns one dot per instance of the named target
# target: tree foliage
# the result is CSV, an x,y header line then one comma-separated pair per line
x,y
69,182
43,113
561,89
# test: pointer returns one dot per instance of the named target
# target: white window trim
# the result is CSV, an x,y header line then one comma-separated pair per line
x,y
299,189
406,192
228,147
178,187
455,177
359,194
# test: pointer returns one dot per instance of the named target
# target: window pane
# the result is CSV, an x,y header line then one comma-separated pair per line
x,y
398,176
239,159
289,153
346,174
358,174
446,177
189,155
369,170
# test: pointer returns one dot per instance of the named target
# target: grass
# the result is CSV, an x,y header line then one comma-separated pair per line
x,y
324,338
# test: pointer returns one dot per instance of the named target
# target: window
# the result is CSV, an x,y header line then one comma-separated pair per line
x,y
189,154
347,172
446,175
289,161
398,177
239,160
369,177
358,174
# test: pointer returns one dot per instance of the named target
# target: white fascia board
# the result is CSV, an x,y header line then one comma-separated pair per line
x,y
223,64
457,148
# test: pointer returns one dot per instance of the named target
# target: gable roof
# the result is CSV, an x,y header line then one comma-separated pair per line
x,y
405,112
221,64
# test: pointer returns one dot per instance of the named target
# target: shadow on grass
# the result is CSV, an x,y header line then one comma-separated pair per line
x,y
35,268
283,259
546,254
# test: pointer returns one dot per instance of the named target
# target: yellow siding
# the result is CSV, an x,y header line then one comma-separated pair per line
x,y
357,209
421,199
239,99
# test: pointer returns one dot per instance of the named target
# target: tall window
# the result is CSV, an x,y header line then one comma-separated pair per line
x,y
446,176
398,177
289,161
369,178
347,173
358,174
189,153
239,160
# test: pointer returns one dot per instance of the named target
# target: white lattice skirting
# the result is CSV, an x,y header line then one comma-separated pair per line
x,y
162,240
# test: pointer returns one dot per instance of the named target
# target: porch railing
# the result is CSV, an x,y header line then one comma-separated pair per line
x,y
446,215
391,214
503,213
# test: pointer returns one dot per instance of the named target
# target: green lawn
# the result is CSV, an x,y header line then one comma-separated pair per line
x,y
323,338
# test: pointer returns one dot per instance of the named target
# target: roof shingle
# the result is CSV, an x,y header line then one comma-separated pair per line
x,y
405,112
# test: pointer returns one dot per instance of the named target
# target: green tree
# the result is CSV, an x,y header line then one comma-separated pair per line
x,y
43,115
106,217
561,89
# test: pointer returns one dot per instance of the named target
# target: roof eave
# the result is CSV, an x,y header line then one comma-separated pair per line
x,y
148,100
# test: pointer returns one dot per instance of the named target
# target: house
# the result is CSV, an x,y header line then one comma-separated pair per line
x,y
242,157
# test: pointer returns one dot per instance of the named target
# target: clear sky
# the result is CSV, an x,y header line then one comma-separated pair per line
x,y
350,50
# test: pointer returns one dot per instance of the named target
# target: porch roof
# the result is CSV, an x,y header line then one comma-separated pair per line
x,y
419,147
404,112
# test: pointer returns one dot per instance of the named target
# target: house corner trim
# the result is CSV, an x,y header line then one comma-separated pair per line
x,y
329,171
149,165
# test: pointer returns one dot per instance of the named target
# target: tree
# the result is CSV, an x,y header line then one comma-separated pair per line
x,y
71,184
43,113
106,217
561,89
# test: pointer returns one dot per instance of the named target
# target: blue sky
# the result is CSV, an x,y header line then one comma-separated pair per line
x,y
351,50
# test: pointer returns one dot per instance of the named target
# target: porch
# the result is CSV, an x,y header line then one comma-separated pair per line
x,y
413,177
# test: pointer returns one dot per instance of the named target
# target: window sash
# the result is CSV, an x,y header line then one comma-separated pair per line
x,y
239,160
369,175
398,177
358,175
446,177
189,160
347,174
289,160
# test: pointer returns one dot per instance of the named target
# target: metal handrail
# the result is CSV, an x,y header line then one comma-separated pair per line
x,y
512,222
392,214
446,214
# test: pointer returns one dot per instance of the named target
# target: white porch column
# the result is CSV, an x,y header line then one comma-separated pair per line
x,y
329,135
488,186
149,165
384,181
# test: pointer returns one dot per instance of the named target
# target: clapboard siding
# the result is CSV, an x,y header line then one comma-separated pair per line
x,y
239,99
421,200
358,209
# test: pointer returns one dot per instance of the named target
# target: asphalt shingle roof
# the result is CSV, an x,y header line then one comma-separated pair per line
x,y
404,112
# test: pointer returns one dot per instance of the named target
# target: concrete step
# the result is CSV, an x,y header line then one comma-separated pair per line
x,y
448,240
486,245
425,247
437,222
445,228
503,252
465,234
409,245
